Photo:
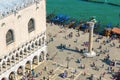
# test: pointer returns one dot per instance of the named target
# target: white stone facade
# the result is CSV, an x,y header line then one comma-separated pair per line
x,y
26,45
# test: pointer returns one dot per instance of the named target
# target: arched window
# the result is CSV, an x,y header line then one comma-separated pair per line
x,y
31,25
9,37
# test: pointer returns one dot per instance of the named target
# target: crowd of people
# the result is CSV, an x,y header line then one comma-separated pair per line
x,y
101,50
104,41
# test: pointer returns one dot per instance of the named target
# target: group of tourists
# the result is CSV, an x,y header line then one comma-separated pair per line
x,y
31,75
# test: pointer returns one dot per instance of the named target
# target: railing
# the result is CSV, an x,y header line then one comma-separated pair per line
x,y
21,59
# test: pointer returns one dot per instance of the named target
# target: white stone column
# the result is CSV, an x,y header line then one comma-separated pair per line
x,y
91,27
16,76
37,42
30,65
5,66
18,57
15,59
23,70
45,53
90,52
37,60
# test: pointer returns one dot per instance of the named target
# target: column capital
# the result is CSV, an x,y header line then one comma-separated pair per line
x,y
91,24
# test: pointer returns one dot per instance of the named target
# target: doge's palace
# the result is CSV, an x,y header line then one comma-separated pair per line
x,y
22,36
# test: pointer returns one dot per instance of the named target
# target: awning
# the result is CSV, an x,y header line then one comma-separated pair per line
x,y
116,30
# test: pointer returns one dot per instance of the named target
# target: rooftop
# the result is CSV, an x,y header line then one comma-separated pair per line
x,y
11,6
116,30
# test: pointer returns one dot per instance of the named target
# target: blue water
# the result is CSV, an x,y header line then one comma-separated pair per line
x,y
83,10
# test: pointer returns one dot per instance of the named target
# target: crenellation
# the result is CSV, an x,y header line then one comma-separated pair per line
x,y
17,6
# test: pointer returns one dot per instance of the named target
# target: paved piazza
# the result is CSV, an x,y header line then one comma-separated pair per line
x,y
59,60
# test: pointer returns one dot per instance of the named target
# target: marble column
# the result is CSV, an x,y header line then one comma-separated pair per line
x,y
91,27
90,52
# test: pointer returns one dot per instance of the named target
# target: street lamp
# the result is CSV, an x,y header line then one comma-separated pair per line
x,y
68,60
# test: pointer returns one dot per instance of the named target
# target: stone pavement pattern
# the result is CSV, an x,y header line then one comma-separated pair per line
x,y
57,57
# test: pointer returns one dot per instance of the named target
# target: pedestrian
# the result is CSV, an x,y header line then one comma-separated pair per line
x,y
45,68
100,47
75,71
83,66
91,77
102,65
93,65
104,74
108,56
100,77
33,78
69,45
84,73
40,73
44,78
33,72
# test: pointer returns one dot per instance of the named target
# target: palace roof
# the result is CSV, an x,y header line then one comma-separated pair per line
x,y
12,6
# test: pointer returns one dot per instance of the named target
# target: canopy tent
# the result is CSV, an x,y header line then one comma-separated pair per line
x,y
116,30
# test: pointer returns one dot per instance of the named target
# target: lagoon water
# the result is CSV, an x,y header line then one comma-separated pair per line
x,y
82,10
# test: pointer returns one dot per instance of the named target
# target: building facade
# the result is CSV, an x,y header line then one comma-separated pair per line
x,y
23,35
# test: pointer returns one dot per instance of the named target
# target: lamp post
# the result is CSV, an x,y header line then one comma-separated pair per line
x,y
68,60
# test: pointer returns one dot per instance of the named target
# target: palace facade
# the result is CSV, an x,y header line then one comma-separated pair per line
x,y
23,35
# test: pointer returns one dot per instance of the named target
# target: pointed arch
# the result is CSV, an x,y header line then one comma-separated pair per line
x,y
4,78
12,76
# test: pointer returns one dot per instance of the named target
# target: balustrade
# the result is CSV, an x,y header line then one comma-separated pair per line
x,y
20,55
